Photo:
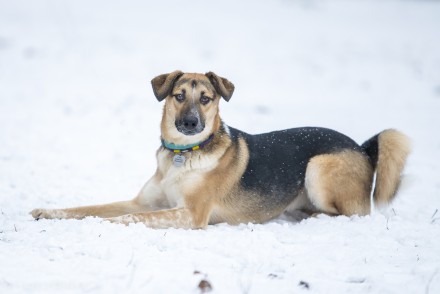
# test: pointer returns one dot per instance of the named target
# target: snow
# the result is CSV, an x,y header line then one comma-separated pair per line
x,y
80,125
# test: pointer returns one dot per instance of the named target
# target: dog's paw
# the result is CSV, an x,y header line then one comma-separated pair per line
x,y
44,213
114,220
123,219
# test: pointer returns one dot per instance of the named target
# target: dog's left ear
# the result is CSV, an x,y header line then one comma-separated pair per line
x,y
224,87
163,84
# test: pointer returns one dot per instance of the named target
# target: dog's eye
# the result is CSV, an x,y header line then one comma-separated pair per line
x,y
204,100
179,97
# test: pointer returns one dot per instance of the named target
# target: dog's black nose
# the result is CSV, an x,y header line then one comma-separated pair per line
x,y
190,122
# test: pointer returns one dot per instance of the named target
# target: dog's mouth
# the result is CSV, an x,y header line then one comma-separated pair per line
x,y
190,125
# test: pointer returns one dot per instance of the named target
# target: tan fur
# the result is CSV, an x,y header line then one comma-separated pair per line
x,y
200,190
206,189
189,193
394,148
149,198
163,83
221,85
162,219
172,108
340,183
105,210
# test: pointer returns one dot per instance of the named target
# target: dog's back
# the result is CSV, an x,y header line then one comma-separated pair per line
x,y
317,170
278,160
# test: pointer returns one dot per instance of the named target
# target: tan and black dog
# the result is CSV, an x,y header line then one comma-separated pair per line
x,y
209,173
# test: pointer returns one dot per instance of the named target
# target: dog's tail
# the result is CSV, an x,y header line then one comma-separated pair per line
x,y
388,152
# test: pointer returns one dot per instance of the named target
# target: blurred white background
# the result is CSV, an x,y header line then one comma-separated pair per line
x,y
79,123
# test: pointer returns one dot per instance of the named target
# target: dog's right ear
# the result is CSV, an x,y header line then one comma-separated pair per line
x,y
163,84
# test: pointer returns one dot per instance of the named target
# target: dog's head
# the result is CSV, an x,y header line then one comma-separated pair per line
x,y
191,108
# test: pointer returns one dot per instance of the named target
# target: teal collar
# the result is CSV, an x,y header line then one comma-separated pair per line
x,y
185,148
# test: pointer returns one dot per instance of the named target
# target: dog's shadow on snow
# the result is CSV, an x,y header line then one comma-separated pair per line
x,y
295,216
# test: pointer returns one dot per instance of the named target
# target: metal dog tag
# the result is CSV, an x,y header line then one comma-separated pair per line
x,y
178,160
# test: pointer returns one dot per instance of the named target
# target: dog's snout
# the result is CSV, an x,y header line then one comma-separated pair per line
x,y
190,122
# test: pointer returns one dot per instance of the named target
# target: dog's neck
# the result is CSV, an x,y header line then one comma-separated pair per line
x,y
186,148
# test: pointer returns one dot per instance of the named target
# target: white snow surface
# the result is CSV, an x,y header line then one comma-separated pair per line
x,y
79,125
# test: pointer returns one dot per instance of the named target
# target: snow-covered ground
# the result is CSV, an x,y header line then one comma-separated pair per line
x,y
79,125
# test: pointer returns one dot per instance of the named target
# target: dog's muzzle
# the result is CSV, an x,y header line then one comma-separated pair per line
x,y
189,125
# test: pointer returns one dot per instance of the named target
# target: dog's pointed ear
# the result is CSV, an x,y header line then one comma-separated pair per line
x,y
224,87
163,84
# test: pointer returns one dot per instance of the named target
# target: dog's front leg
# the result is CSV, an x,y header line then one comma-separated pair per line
x,y
103,210
170,218
150,197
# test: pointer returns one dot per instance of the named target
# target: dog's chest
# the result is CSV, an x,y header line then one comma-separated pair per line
x,y
179,181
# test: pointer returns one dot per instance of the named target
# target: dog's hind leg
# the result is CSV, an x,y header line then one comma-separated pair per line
x,y
149,198
340,183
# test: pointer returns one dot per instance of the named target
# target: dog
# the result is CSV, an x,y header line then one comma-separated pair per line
x,y
209,173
